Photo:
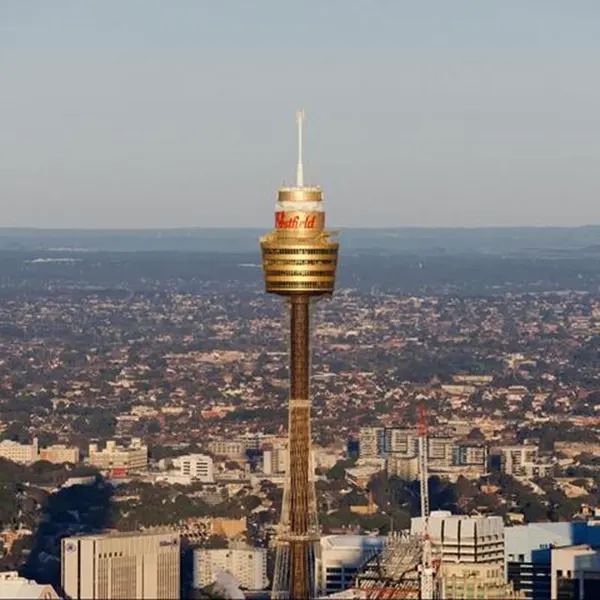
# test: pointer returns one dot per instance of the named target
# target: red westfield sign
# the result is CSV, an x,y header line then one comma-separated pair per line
x,y
297,220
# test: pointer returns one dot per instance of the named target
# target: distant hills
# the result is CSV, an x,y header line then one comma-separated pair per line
x,y
509,241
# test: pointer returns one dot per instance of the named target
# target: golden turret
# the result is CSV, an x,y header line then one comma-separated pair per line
x,y
299,256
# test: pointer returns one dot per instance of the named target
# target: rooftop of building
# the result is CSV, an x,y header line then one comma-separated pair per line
x,y
354,541
14,587
126,534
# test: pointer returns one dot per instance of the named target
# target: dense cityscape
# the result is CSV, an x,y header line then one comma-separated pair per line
x,y
226,378
159,404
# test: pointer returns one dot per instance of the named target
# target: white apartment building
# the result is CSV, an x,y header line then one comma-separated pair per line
x,y
59,454
371,441
440,451
131,458
141,565
404,442
275,461
464,539
341,558
197,467
523,461
14,587
470,454
20,453
247,565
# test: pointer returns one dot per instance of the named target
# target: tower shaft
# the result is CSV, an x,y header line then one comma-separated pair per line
x,y
299,449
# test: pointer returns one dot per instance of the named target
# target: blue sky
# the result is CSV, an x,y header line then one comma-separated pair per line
x,y
144,113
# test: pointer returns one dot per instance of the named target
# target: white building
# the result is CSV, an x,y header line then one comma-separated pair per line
x,y
247,565
341,558
575,573
131,458
275,461
523,461
13,587
464,539
141,565
440,451
20,453
401,441
198,467
528,551
371,442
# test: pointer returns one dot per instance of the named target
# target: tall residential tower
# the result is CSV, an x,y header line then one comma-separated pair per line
x,y
299,262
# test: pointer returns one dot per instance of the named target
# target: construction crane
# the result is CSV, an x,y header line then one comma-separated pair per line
x,y
427,569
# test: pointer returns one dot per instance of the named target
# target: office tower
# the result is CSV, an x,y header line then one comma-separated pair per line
x,y
121,565
299,262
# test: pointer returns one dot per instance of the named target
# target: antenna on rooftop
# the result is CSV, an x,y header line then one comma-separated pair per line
x,y
299,170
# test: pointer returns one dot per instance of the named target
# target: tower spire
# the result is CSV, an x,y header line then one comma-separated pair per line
x,y
300,170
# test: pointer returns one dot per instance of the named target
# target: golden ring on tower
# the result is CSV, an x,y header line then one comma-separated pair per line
x,y
300,195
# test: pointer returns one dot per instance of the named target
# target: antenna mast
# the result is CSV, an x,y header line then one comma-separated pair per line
x,y
300,170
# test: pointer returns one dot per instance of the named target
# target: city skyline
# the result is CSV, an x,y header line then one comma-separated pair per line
x,y
437,115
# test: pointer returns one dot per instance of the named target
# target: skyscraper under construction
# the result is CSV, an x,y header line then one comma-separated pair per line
x,y
299,262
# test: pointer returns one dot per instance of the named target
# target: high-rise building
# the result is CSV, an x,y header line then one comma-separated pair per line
x,y
247,565
299,261
464,539
121,565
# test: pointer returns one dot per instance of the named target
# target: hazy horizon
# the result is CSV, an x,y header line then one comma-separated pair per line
x,y
147,115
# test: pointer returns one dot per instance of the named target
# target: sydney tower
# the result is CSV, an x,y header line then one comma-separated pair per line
x,y
299,261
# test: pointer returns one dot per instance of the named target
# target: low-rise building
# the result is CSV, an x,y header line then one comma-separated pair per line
x,y
14,587
131,458
60,453
341,558
198,467
247,565
20,453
